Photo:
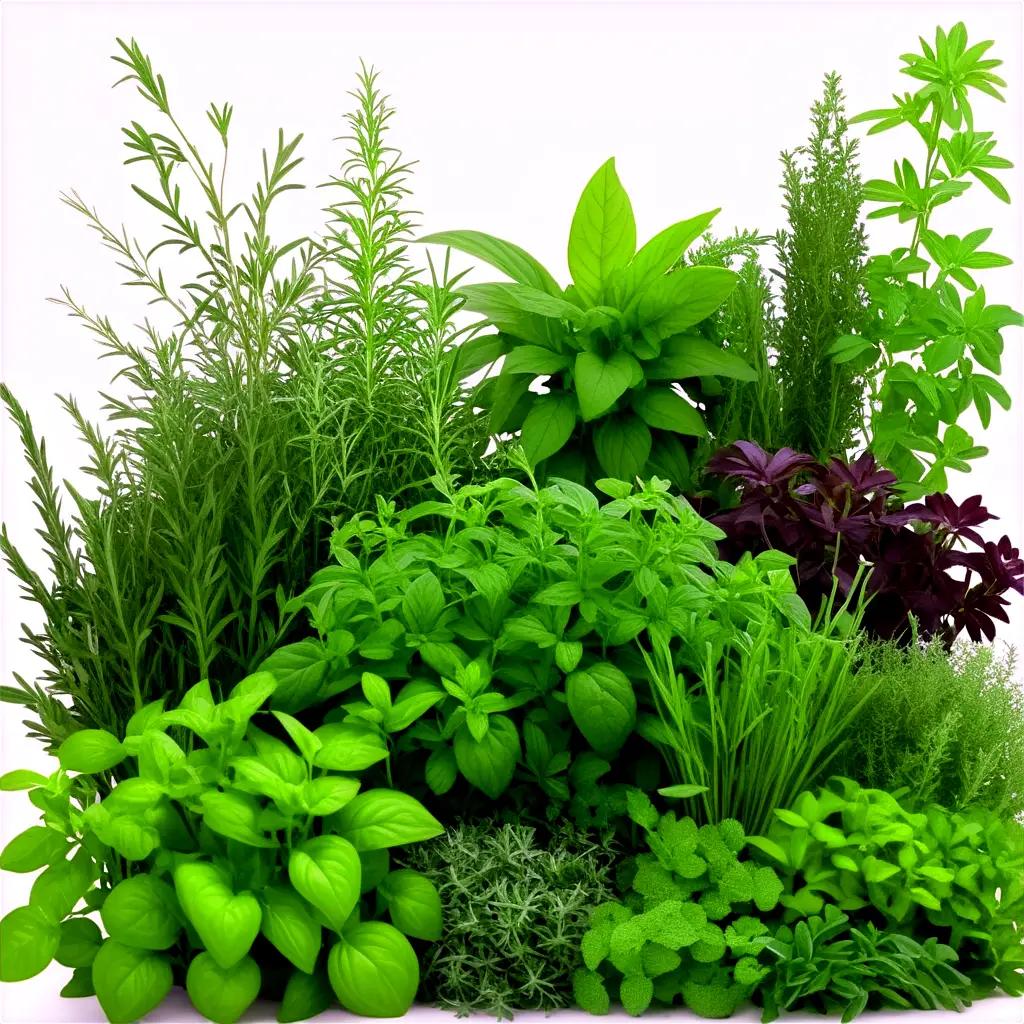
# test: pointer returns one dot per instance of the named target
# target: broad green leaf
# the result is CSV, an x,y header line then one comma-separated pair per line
x,y
80,986
683,298
501,302
374,970
848,346
252,775
423,603
306,742
129,982
535,360
603,706
249,695
90,751
80,941
290,927
408,708
32,849
510,259
328,795
234,815
349,747
277,756
227,922
221,994
601,382
28,942
141,911
661,254
489,763
381,818
413,903
548,426
60,888
664,409
602,237
305,996
299,671
623,445
441,770
326,871
690,356
21,778
507,401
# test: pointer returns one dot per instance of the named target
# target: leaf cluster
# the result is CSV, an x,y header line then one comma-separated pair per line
x,y
688,929
836,518
602,378
834,967
931,323
516,907
951,875
243,859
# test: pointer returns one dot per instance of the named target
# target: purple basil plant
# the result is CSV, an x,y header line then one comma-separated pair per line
x,y
926,559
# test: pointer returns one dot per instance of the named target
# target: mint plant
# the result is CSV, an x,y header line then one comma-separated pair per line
x,y
932,325
244,854
590,372
688,929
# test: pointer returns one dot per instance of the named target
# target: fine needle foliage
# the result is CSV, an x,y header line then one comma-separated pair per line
x,y
821,266
293,382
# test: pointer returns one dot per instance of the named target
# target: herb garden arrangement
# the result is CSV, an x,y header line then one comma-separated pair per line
x,y
521,645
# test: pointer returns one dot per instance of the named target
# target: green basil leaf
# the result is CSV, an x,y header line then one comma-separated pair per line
x,y
603,706
510,259
535,360
600,383
423,603
28,942
692,356
662,253
21,778
413,903
307,742
32,849
80,986
602,237
666,410
278,756
683,298
129,982
441,770
349,747
502,303
623,446
289,925
381,818
327,795
374,971
490,763
227,923
222,994
235,815
299,671
305,996
326,872
141,911
90,751
80,941
548,425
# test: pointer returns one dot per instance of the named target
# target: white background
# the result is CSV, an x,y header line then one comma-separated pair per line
x,y
509,108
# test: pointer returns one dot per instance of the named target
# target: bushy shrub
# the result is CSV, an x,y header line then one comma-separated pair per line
x,y
947,728
516,907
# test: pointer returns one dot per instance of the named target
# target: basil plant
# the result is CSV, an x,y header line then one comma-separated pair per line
x,y
594,375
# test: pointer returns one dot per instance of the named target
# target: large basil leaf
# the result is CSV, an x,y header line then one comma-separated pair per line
x,y
665,410
28,942
381,818
603,706
305,996
325,870
687,355
129,982
90,751
413,903
510,259
141,911
489,763
623,446
289,925
548,425
601,382
683,298
299,671
374,970
222,994
227,923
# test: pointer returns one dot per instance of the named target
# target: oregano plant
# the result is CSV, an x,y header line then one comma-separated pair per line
x,y
933,330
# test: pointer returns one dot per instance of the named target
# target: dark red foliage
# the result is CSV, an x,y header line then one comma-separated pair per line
x,y
926,559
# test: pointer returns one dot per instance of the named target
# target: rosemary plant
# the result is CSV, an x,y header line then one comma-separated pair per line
x,y
299,380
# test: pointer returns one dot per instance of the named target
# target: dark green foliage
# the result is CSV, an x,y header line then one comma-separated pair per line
x,y
244,859
297,380
516,908
957,876
827,964
949,728
688,929
821,258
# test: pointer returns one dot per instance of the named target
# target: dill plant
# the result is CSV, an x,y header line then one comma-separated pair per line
x,y
296,382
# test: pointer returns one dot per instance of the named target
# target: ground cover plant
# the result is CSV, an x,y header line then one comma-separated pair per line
x,y
393,654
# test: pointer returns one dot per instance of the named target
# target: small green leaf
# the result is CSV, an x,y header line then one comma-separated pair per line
x,y
666,410
221,994
548,425
306,742
80,941
489,763
601,382
683,791
21,778
305,996
32,849
227,922
349,747
90,751
413,903
603,706
510,259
